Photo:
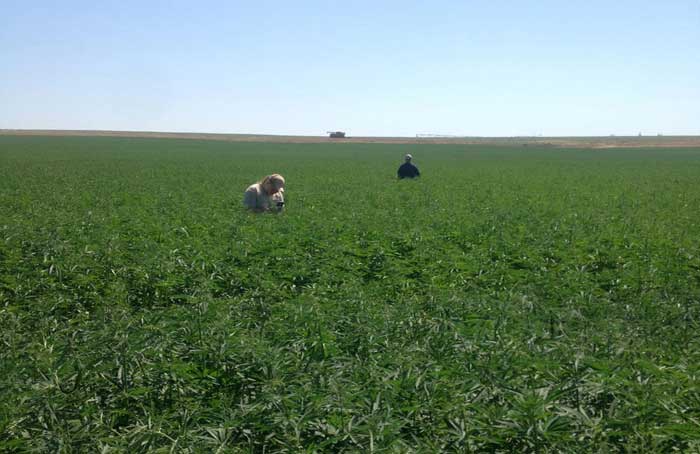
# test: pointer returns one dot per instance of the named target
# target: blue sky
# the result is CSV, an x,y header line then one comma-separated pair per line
x,y
383,68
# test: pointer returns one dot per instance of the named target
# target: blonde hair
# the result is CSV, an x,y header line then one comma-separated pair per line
x,y
275,179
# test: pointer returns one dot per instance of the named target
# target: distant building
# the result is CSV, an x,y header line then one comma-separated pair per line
x,y
336,134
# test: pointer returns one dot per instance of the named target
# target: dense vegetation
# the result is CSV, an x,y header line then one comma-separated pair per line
x,y
512,299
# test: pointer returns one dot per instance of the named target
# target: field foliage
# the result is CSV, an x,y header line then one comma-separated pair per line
x,y
510,300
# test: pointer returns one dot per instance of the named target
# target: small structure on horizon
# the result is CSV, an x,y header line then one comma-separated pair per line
x,y
336,134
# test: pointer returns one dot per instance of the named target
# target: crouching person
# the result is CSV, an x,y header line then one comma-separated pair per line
x,y
265,195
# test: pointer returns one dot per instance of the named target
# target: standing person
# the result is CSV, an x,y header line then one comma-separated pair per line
x,y
407,169
265,195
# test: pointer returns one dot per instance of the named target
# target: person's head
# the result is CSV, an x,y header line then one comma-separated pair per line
x,y
272,184
408,157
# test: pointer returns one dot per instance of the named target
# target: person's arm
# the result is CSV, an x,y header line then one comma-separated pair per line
x,y
278,201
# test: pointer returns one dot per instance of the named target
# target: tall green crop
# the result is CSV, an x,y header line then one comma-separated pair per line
x,y
511,299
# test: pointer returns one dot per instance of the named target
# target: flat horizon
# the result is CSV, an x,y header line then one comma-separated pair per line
x,y
589,142
416,136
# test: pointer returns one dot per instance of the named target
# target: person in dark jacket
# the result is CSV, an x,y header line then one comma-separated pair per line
x,y
407,169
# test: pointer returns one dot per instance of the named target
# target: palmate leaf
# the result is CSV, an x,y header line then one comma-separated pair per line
x,y
540,308
556,427
688,431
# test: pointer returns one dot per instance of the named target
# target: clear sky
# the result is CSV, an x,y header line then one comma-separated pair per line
x,y
478,68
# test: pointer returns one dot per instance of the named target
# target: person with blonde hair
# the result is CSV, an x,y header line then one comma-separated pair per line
x,y
265,195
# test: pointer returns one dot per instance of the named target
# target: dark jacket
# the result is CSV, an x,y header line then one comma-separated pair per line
x,y
408,170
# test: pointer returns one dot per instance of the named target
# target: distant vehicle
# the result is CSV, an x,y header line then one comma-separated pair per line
x,y
336,134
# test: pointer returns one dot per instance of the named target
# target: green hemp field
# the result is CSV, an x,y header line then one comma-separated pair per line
x,y
511,299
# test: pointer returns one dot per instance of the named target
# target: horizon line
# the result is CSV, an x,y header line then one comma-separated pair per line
x,y
417,136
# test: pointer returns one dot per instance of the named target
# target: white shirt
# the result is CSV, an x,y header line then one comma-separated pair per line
x,y
256,198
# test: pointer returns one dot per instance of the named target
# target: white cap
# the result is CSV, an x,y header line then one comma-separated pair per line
x,y
408,157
